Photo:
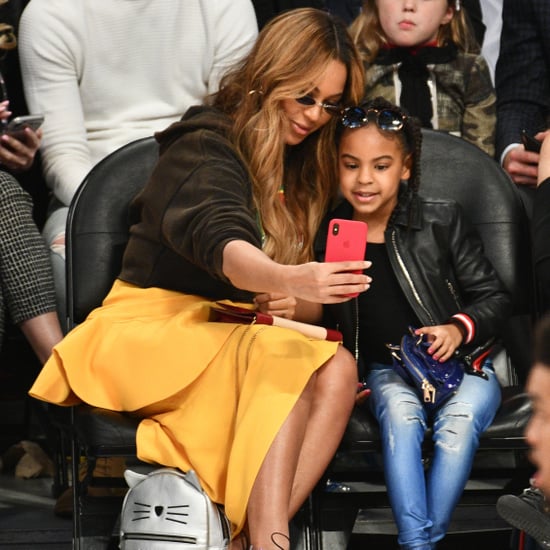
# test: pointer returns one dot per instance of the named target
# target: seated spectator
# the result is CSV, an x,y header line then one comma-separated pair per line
x,y
27,296
530,511
522,85
430,66
31,179
105,74
230,212
416,246
541,230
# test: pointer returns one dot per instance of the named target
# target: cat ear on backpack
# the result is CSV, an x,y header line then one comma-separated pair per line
x,y
133,478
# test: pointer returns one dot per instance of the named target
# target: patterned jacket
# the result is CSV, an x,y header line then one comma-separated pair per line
x,y
523,70
463,96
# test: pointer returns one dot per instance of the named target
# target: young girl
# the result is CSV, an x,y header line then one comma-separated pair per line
x,y
421,54
428,271
230,212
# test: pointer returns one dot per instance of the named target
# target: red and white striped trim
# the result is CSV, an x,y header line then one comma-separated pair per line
x,y
468,325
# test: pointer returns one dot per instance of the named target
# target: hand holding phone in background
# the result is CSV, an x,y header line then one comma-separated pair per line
x,y
16,127
530,142
5,114
346,241
18,146
19,141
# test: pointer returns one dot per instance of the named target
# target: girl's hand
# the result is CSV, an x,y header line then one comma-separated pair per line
x,y
17,152
276,304
444,340
327,283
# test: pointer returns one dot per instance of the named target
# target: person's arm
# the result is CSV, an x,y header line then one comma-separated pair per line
x,y
235,32
248,268
522,84
17,151
290,307
487,302
540,229
49,50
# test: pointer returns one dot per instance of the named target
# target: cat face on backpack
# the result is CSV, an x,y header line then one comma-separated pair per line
x,y
153,500
168,508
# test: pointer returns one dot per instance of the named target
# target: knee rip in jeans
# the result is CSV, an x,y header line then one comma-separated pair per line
x,y
408,418
454,436
57,246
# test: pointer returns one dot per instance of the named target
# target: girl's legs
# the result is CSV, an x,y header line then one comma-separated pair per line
x,y
301,451
402,421
457,428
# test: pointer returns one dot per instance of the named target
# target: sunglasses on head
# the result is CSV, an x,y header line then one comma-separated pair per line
x,y
333,109
386,119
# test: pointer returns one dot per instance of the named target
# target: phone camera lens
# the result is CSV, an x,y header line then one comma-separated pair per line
x,y
335,229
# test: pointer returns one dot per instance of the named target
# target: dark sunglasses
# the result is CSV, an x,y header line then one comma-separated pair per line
x,y
386,119
333,109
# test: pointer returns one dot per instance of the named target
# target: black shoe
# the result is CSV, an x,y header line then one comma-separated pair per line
x,y
527,512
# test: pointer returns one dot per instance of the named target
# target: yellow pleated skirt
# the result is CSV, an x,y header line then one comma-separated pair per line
x,y
212,396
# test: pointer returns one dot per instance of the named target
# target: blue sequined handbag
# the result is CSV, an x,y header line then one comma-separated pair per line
x,y
435,382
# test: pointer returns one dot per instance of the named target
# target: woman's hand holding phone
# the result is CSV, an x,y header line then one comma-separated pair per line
x,y
325,282
17,151
20,139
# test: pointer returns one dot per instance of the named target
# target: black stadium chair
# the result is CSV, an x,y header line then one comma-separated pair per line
x,y
97,233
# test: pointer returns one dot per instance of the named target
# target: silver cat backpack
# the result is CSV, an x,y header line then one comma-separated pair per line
x,y
167,509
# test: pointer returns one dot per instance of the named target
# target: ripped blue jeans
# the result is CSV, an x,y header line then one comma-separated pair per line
x,y
423,499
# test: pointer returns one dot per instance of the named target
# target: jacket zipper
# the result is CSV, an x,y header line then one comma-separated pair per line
x,y
453,294
409,278
356,311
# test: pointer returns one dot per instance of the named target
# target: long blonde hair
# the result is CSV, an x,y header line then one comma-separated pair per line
x,y
369,36
290,53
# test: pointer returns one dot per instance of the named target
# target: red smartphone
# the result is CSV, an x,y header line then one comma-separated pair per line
x,y
346,241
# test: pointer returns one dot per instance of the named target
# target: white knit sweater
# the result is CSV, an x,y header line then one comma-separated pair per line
x,y
106,72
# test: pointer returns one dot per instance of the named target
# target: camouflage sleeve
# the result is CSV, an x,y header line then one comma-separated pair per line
x,y
479,121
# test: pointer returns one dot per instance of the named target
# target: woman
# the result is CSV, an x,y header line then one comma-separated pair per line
x,y
230,212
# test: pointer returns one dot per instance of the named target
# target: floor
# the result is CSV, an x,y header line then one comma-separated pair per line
x,y
27,522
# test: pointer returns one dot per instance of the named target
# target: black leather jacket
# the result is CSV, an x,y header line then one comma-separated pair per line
x,y
439,262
